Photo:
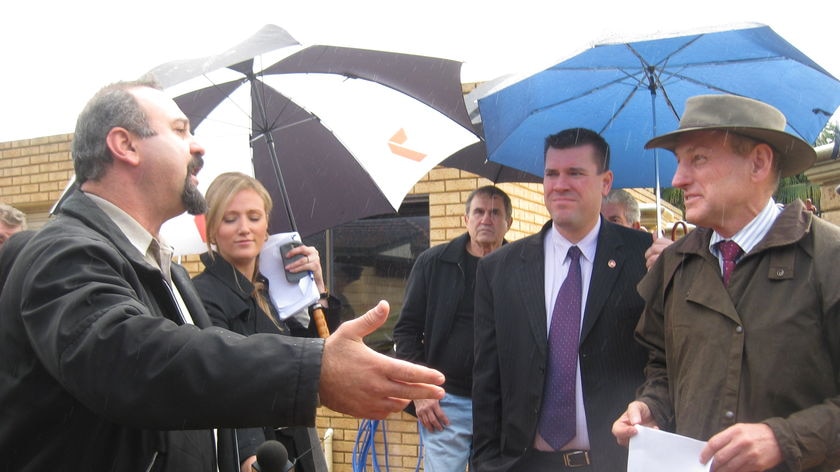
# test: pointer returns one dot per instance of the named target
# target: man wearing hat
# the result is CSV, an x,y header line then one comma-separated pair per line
x,y
742,315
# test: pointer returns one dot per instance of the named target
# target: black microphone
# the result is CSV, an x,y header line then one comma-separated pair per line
x,y
272,456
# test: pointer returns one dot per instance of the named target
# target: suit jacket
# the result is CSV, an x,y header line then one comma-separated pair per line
x,y
511,346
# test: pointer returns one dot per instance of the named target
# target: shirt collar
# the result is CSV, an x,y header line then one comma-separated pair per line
x,y
134,231
588,245
751,234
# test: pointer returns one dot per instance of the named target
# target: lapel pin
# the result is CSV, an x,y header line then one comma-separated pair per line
x,y
611,264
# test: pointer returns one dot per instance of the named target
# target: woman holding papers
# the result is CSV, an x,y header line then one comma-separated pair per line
x,y
236,297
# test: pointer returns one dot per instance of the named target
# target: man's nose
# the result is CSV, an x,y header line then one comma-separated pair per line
x,y
680,178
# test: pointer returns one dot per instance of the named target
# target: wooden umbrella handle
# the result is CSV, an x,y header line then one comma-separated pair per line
x,y
674,229
316,311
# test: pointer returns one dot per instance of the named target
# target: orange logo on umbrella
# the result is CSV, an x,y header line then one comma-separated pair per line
x,y
396,144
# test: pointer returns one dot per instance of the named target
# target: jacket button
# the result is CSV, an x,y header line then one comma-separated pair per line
x,y
729,414
780,272
739,329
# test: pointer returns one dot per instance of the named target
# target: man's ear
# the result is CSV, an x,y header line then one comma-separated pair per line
x,y
122,146
762,161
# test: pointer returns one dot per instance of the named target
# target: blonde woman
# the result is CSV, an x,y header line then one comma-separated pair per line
x,y
236,297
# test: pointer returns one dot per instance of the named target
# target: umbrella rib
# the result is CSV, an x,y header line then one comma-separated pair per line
x,y
271,129
575,97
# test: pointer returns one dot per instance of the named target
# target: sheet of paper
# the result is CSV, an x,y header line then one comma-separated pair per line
x,y
288,298
653,450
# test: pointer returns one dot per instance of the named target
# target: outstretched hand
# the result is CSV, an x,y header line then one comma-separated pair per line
x,y
358,381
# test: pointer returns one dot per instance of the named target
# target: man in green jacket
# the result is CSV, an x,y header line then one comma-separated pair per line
x,y
744,340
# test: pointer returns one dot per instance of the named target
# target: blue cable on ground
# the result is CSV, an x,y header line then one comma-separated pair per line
x,y
420,449
365,446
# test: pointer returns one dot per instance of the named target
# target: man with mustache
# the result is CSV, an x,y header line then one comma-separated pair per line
x,y
108,361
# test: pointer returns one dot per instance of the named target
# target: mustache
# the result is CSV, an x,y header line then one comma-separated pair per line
x,y
195,165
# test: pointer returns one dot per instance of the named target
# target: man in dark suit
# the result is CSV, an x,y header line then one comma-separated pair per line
x,y
516,347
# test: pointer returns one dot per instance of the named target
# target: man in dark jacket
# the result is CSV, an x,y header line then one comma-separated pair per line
x,y
104,365
435,327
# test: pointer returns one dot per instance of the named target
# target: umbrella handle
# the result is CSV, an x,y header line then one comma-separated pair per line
x,y
316,311
674,229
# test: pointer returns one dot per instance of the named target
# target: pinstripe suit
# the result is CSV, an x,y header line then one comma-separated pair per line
x,y
511,346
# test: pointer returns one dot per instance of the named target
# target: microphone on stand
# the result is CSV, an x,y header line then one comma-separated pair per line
x,y
272,456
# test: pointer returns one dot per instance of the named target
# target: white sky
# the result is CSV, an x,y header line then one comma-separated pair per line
x,y
52,64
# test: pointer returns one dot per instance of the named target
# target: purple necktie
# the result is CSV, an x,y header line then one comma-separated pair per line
x,y
557,423
730,251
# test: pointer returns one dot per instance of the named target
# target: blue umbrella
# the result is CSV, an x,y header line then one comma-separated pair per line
x,y
632,91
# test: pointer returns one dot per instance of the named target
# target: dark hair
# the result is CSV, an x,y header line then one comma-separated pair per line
x,y
113,106
491,191
575,137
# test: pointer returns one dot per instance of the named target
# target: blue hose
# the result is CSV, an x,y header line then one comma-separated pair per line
x,y
365,447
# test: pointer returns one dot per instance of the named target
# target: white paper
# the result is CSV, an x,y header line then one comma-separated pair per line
x,y
653,450
288,298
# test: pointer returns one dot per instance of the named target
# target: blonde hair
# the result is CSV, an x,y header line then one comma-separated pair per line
x,y
219,195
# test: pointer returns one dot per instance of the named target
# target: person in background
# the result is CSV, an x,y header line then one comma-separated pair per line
x,y
809,205
555,358
435,327
742,315
108,358
236,297
12,220
10,250
621,208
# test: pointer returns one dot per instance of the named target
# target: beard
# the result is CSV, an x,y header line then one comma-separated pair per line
x,y
192,199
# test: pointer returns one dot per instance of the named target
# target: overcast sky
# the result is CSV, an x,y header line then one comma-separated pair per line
x,y
56,54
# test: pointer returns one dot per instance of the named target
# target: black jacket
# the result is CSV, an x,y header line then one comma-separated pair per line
x,y
227,296
98,372
431,300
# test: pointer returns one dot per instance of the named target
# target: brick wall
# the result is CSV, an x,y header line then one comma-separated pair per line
x,y
33,173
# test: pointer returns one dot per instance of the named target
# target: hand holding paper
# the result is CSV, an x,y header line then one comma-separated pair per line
x,y
288,298
652,450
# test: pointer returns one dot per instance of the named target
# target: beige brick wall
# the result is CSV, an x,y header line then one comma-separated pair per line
x,y
33,173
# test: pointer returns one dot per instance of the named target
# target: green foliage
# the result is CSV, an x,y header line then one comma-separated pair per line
x,y
674,196
798,186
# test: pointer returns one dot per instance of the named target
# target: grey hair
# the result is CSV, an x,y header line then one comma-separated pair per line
x,y
113,106
619,196
12,217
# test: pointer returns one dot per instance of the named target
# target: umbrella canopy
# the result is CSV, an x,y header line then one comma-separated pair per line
x,y
473,158
632,91
335,134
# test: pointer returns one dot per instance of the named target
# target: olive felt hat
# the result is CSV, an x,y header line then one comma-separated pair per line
x,y
746,117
